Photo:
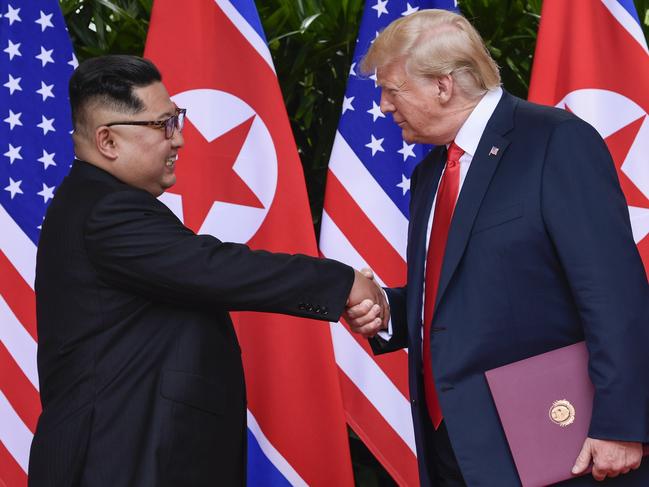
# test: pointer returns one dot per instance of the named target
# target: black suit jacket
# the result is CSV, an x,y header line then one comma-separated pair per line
x,y
540,255
141,378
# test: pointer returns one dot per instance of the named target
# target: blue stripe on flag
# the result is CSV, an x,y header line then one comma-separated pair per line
x,y
248,11
630,7
261,471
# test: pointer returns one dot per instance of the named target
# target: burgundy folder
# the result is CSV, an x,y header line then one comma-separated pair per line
x,y
545,405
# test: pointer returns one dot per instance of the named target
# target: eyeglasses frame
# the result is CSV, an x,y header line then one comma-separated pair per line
x,y
178,122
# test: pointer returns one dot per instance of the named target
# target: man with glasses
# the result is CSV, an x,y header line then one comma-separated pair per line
x,y
140,371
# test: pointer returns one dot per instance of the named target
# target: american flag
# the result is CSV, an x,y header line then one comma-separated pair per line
x,y
365,224
36,61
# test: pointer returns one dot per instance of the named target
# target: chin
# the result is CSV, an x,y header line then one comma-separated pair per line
x,y
168,182
417,139
409,138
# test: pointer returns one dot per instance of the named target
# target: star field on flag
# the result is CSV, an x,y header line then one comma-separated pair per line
x,y
35,122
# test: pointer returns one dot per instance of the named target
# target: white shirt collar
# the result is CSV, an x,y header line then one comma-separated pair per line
x,y
471,131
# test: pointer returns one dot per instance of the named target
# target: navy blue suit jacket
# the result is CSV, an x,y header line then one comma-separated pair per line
x,y
540,255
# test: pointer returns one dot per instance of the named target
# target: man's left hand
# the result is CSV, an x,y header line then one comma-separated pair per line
x,y
610,458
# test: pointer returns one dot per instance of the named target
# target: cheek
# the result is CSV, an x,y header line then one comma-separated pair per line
x,y
151,166
409,108
156,154
413,118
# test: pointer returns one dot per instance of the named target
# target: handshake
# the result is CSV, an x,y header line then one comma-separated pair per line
x,y
367,311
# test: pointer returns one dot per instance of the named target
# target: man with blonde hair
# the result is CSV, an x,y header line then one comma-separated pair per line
x,y
519,243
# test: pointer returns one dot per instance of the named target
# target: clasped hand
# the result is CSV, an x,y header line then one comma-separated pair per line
x,y
610,458
367,310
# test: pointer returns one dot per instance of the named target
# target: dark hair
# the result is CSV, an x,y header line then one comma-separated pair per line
x,y
110,80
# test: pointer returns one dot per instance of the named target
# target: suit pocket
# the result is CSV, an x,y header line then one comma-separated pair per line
x,y
192,390
207,432
498,217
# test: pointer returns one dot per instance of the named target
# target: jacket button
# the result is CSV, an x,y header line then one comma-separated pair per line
x,y
413,402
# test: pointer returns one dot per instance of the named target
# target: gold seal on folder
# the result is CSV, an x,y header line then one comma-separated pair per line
x,y
562,412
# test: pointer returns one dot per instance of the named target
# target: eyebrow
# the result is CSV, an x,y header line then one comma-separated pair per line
x,y
392,85
166,114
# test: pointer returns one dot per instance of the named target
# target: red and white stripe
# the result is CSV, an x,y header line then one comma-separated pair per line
x,y
362,227
19,400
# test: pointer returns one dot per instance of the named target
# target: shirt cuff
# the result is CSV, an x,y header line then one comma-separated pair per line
x,y
386,334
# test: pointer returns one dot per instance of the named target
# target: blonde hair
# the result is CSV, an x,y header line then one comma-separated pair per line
x,y
435,43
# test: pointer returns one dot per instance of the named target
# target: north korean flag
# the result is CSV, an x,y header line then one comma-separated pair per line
x,y
240,178
592,59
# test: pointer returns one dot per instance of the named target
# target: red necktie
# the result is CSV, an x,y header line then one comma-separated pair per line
x,y
444,205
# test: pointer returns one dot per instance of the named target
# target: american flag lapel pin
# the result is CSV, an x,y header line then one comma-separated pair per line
x,y
494,151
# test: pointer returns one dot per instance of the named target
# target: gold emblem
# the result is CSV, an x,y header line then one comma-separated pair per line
x,y
562,413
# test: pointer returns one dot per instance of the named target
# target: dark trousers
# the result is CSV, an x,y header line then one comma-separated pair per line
x,y
443,468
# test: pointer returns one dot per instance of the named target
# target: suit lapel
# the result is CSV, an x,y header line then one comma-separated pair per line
x,y
483,166
428,180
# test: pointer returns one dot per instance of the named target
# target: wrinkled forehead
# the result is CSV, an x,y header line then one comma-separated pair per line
x,y
392,73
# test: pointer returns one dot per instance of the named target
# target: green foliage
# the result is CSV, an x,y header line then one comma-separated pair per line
x,y
107,26
312,43
642,6
509,30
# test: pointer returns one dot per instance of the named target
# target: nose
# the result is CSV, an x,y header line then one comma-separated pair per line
x,y
385,104
177,140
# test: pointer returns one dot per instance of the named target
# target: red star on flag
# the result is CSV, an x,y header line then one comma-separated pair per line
x,y
205,173
619,144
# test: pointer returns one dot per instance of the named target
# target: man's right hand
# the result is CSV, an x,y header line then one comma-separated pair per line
x,y
367,310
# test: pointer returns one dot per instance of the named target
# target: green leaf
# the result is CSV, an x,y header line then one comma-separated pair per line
x,y
308,21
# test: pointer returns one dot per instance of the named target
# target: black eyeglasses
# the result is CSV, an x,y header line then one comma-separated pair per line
x,y
169,125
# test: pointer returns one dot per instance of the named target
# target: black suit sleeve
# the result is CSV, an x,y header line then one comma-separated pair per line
x,y
138,244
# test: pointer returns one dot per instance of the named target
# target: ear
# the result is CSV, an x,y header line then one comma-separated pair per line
x,y
445,88
106,143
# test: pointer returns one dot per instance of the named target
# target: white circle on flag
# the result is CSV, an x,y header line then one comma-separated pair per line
x,y
605,110
214,113
608,112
